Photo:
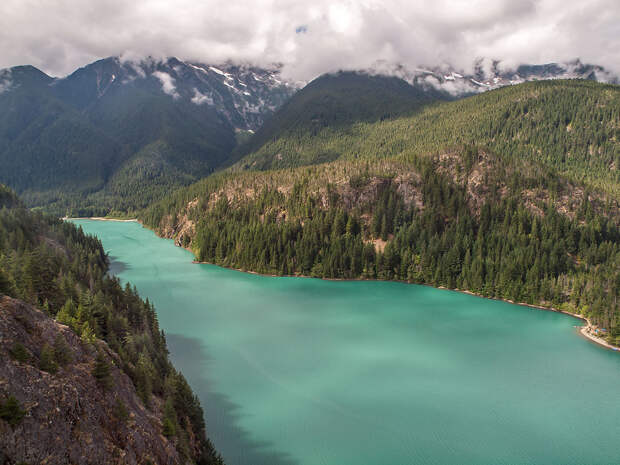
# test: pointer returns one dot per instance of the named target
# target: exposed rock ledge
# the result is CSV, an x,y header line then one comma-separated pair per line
x,y
69,418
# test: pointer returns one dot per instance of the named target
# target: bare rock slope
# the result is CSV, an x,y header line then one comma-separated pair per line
x,y
66,414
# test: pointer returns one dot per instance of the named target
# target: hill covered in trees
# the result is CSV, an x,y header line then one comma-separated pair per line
x,y
335,102
570,127
117,135
85,368
511,194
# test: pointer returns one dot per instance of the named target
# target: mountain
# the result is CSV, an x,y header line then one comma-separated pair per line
x,y
492,74
92,138
335,101
117,135
559,136
511,194
84,366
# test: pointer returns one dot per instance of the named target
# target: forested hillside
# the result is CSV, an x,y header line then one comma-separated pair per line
x,y
335,102
117,135
512,194
136,395
570,127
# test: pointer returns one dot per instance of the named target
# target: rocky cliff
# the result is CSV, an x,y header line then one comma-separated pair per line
x,y
70,408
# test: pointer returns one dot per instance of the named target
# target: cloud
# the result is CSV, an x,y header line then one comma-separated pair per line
x,y
310,38
5,80
167,83
200,98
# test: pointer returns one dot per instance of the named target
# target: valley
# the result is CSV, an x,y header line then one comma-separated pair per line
x,y
298,371
467,195
427,200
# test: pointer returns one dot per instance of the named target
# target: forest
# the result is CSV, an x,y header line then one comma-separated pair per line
x,y
512,194
571,127
54,266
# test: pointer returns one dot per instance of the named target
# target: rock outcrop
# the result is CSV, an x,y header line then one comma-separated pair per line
x,y
66,414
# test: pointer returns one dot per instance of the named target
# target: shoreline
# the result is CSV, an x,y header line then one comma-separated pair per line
x,y
101,218
585,330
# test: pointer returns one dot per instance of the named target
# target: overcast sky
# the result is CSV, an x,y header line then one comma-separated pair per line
x,y
312,36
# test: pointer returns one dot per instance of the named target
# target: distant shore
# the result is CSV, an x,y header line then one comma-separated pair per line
x,y
585,331
101,218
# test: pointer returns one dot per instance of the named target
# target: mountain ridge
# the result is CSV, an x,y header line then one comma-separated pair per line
x,y
489,74
116,135
68,144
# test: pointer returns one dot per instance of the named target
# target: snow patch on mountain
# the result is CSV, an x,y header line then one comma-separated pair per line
x,y
216,70
490,74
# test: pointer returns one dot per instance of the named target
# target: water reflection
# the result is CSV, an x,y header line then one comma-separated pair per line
x,y
189,355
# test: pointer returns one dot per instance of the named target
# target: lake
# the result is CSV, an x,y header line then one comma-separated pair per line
x,y
302,371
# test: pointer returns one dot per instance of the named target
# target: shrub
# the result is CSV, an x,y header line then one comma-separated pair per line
x,y
19,352
11,411
47,362
101,372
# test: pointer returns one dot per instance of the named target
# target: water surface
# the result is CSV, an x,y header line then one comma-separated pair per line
x,y
301,371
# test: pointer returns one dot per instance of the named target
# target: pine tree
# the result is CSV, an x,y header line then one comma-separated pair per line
x,y
11,411
62,352
19,352
101,372
46,360
170,418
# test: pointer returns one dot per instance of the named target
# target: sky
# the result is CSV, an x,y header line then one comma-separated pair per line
x,y
310,37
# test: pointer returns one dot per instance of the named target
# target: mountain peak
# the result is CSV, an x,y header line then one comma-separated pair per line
x,y
243,93
22,76
490,74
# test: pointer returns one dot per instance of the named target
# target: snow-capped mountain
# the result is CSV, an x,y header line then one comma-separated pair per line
x,y
490,74
119,129
115,126
244,95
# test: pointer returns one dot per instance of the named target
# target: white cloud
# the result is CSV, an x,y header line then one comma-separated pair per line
x,y
167,83
5,80
4,85
62,35
200,98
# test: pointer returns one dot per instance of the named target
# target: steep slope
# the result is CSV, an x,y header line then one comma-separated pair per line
x,y
568,126
511,194
334,102
83,422
84,369
88,139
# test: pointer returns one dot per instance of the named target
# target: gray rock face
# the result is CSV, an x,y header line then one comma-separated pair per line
x,y
69,417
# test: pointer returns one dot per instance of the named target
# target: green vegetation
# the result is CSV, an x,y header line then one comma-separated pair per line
x,y
20,353
54,266
8,198
101,372
335,102
570,127
511,194
62,351
11,411
120,411
46,360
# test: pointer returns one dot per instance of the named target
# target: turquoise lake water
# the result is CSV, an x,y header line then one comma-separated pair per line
x,y
294,371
